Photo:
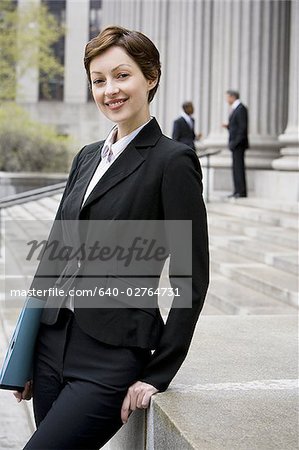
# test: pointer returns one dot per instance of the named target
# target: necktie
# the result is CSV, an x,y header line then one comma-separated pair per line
x,y
107,153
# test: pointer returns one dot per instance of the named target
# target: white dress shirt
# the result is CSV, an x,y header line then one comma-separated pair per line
x,y
188,119
236,104
111,150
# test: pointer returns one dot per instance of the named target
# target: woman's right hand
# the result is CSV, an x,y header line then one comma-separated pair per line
x,y
26,394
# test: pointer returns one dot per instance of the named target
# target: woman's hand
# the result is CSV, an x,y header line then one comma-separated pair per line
x,y
26,394
138,396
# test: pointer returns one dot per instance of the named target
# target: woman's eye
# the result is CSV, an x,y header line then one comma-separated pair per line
x,y
123,75
97,81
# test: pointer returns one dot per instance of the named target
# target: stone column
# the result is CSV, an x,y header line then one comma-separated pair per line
x,y
186,62
290,138
28,79
250,43
182,32
77,35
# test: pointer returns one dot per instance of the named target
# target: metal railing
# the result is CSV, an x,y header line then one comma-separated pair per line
x,y
207,154
28,196
33,194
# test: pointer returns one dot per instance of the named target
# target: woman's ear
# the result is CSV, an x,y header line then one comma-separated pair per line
x,y
152,83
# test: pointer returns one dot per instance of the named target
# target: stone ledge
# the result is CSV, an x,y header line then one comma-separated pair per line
x,y
236,390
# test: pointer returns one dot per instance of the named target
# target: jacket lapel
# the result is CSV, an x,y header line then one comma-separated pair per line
x,y
129,161
233,112
87,169
124,165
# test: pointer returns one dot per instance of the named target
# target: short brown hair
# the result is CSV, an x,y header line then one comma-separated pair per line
x,y
138,46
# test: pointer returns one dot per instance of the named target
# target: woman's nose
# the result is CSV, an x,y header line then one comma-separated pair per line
x,y
111,88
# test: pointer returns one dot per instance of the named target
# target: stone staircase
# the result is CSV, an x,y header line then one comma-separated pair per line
x,y
254,257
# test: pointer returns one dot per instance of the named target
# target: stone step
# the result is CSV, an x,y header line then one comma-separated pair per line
x,y
49,202
221,257
286,220
233,224
18,232
39,211
17,212
210,308
56,197
279,235
265,252
264,203
220,238
235,299
282,237
216,232
267,280
289,263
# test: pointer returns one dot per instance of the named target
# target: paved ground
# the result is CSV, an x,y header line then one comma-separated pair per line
x,y
15,425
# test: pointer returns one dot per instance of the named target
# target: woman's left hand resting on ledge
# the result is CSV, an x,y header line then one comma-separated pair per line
x,y
138,397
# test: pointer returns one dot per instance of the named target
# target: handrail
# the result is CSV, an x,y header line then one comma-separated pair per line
x,y
32,194
27,196
207,154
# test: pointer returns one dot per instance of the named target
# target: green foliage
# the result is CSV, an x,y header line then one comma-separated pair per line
x,y
26,38
26,145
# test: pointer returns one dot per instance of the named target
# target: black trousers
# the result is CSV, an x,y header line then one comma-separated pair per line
x,y
78,387
239,177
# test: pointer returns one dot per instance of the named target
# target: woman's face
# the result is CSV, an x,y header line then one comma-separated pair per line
x,y
120,89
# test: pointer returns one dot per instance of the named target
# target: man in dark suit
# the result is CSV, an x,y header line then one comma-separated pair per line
x,y
238,141
183,127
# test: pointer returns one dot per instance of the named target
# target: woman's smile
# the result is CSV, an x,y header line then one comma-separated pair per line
x,y
115,104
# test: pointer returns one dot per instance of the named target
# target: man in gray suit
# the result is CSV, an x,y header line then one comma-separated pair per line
x,y
238,141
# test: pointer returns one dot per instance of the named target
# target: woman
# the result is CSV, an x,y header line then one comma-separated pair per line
x,y
94,366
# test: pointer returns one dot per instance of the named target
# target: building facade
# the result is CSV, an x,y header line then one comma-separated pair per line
x,y
207,47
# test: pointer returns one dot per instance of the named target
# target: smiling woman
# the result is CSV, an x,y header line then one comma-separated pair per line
x,y
95,365
124,72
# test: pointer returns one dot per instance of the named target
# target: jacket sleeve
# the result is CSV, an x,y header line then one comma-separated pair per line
x,y
48,270
176,131
182,200
241,127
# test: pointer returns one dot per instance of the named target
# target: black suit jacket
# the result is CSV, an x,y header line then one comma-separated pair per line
x,y
182,132
238,128
155,178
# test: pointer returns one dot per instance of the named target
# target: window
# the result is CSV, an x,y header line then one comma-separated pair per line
x,y
53,89
95,22
95,17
